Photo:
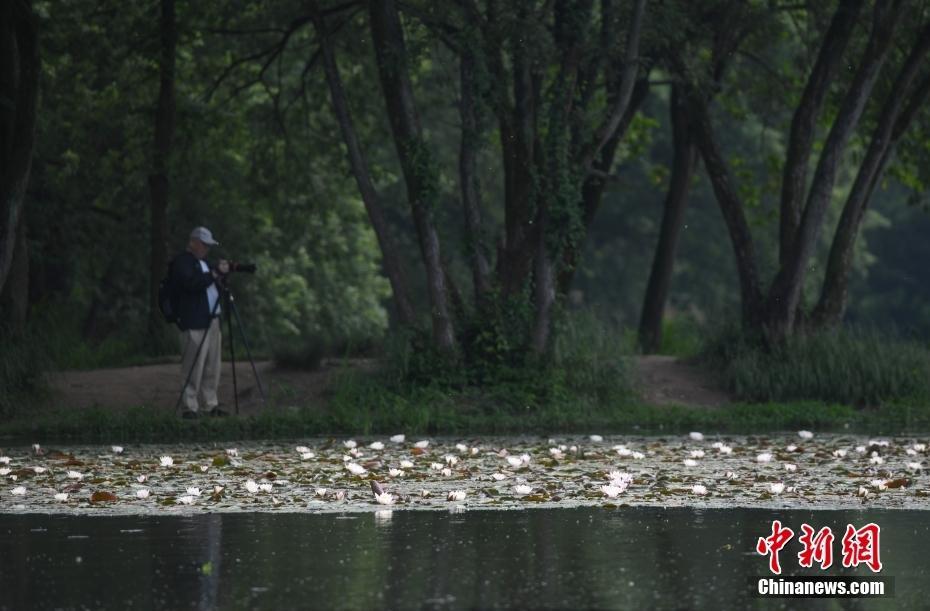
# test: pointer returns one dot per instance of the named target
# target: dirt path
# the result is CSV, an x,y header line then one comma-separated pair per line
x,y
663,380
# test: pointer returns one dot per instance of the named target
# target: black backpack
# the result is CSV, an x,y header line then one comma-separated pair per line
x,y
168,297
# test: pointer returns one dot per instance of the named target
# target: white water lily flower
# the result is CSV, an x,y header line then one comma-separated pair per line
x,y
805,435
573,449
218,489
698,489
914,466
385,498
339,495
355,452
61,497
398,438
142,493
395,472
320,491
556,453
860,449
166,461
791,448
624,452
920,447
4,471
5,460
349,443
421,444
265,487
876,460
498,476
232,452
790,466
777,488
446,472
514,461
730,475
117,449
696,436
307,456
204,468
251,486
456,495
302,449
839,453
863,491
75,475
18,491
522,489
186,500
461,447
142,478
376,445
356,469
451,460
525,458
36,447
910,452
596,438
690,462
880,484
697,453
764,457
474,451
436,466
406,464
611,491
878,442
39,470
193,491
424,493
724,449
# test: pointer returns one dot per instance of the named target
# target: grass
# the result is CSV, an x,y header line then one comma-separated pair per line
x,y
859,367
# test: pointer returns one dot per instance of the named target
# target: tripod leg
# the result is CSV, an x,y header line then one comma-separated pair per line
x,y
190,371
248,352
232,351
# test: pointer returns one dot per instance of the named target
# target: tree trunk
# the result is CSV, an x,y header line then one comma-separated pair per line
x,y
784,295
732,209
359,165
468,177
804,121
19,89
676,199
892,123
419,173
16,292
161,157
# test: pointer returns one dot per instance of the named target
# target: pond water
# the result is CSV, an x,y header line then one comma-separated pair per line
x,y
585,557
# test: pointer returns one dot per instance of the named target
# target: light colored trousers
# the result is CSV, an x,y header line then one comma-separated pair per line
x,y
205,377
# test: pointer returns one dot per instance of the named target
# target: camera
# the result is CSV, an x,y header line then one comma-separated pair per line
x,y
235,266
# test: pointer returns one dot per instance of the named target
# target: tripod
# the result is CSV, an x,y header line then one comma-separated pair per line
x,y
230,302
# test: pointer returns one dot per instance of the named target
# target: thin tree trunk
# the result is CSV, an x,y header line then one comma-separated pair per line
x,y
468,177
785,292
158,180
389,254
732,209
676,199
804,121
19,94
419,175
892,124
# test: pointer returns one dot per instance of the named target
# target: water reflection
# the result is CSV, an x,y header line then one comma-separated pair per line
x,y
573,558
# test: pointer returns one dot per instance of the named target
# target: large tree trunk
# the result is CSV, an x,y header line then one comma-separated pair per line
x,y
784,295
15,295
732,209
19,93
892,123
419,173
804,121
676,199
389,254
158,180
468,176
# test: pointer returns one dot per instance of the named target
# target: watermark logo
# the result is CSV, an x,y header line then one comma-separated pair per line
x,y
859,546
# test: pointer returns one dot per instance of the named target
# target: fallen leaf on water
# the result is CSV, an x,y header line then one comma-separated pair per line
x,y
102,496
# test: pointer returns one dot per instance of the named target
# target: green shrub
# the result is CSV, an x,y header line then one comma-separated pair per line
x,y
24,362
851,366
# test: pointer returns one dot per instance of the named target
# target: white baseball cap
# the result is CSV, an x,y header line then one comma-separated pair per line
x,y
204,235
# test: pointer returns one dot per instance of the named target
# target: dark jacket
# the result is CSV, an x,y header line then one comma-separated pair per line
x,y
191,282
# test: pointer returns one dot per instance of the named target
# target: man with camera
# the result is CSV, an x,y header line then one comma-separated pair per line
x,y
198,317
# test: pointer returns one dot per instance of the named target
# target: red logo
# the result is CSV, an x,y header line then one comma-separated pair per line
x,y
859,546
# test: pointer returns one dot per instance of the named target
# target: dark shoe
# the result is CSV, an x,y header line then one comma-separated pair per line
x,y
218,413
189,415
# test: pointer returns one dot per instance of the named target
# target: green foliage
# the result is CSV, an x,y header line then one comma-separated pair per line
x,y
854,367
23,361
